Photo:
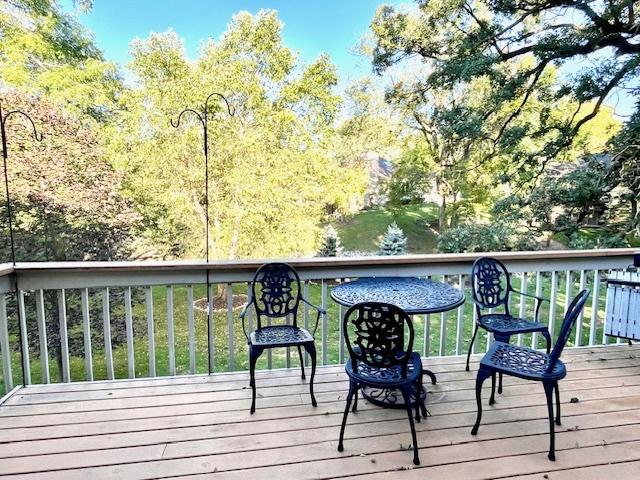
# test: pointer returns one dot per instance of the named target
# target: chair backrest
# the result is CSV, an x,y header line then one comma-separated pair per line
x,y
577,304
378,335
276,292
491,283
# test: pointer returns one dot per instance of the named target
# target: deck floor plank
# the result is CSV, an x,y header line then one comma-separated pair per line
x,y
192,427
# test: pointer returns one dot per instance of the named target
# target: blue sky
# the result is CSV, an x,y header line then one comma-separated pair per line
x,y
311,27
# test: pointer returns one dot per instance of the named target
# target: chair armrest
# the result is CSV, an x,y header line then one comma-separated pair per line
x,y
243,314
321,311
524,294
539,301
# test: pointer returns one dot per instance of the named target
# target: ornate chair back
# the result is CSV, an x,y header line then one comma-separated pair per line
x,y
379,335
276,292
491,284
577,304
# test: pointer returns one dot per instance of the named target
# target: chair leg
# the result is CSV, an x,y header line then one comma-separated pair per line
x,y
406,394
254,354
311,350
500,383
483,374
558,421
355,401
352,389
473,339
492,399
418,400
547,336
548,390
301,361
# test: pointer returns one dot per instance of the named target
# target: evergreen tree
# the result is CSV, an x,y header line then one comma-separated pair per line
x,y
394,241
331,246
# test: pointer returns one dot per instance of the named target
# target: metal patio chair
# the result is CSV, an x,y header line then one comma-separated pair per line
x,y
276,293
378,359
530,364
491,288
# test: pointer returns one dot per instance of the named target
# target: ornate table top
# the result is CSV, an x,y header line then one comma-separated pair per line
x,y
413,295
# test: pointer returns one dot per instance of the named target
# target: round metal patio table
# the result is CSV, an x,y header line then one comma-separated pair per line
x,y
414,295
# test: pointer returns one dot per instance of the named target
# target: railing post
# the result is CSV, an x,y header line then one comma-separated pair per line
x,y
7,372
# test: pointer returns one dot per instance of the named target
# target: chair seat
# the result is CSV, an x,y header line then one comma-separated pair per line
x,y
501,323
521,362
279,335
386,376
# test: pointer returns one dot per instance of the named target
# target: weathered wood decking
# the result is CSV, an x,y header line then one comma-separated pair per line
x,y
191,427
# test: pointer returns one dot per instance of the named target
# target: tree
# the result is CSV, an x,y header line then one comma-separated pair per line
x,y
45,51
394,242
514,45
331,246
64,195
271,168
625,173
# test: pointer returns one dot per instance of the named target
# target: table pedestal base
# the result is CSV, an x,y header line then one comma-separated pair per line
x,y
391,398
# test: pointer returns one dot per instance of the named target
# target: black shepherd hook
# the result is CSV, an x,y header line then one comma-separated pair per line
x,y
203,117
5,154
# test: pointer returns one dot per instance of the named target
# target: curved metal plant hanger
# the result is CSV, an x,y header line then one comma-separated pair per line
x,y
203,117
4,117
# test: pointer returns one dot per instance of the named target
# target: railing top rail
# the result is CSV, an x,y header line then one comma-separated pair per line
x,y
315,262
6,269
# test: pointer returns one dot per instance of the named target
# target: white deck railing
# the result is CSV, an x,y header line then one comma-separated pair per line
x,y
86,321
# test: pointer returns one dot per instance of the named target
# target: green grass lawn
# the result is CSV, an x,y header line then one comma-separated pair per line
x,y
364,230
279,357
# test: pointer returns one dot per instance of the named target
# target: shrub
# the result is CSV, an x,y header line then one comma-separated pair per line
x,y
394,241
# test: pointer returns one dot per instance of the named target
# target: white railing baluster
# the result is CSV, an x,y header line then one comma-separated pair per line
x,y
427,336
24,340
553,306
64,338
595,293
191,330
443,329
7,373
325,326
212,332
86,334
230,327
583,282
460,320
534,335
568,291
523,302
106,326
171,343
305,313
151,334
42,335
128,320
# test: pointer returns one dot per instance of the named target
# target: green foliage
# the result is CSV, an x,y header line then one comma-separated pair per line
x,y
271,172
579,241
516,48
479,237
64,196
331,246
47,52
394,241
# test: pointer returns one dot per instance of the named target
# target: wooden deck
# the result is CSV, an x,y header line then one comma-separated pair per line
x,y
191,427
